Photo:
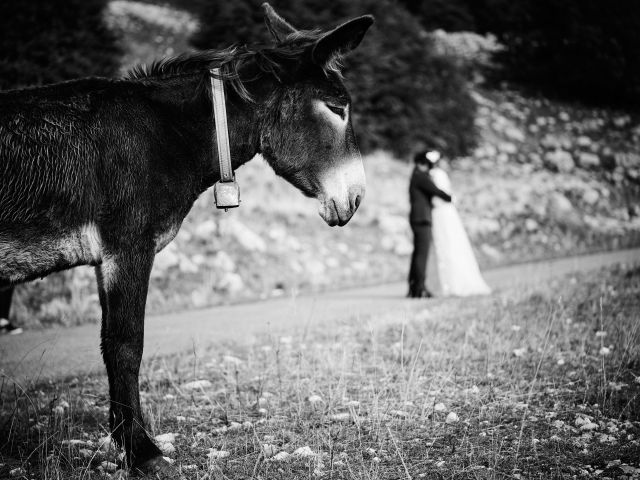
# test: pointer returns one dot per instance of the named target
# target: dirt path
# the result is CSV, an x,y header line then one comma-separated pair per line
x,y
56,353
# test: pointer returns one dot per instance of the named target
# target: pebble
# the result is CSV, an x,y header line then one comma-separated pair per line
x,y
452,418
304,452
217,454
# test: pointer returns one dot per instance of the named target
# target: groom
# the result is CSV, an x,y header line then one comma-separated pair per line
x,y
421,192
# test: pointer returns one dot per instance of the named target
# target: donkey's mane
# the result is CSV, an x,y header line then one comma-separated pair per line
x,y
275,60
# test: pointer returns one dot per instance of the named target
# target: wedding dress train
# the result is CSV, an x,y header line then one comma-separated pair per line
x,y
452,269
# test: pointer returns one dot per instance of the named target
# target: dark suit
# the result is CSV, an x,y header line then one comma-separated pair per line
x,y
421,192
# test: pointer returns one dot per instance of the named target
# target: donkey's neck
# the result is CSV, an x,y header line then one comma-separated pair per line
x,y
191,99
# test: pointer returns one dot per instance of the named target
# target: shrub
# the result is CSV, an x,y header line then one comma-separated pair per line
x,y
580,49
404,93
44,42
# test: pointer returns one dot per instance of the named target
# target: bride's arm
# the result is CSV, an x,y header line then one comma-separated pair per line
x,y
429,188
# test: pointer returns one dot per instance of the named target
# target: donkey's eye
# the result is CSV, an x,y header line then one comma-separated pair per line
x,y
338,110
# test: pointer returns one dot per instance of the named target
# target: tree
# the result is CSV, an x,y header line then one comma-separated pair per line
x,y
404,95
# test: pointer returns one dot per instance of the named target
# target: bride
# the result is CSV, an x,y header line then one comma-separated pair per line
x,y
452,269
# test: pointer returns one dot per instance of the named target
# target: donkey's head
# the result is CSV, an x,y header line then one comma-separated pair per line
x,y
306,132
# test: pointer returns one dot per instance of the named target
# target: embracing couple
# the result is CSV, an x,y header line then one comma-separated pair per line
x,y
443,263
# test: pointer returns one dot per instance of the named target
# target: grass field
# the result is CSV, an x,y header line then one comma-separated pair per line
x,y
535,383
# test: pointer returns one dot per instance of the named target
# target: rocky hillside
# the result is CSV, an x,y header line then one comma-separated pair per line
x,y
547,179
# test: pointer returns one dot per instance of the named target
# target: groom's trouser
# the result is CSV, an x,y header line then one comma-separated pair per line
x,y
421,241
5,302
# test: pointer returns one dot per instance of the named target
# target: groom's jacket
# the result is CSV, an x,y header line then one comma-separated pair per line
x,y
421,191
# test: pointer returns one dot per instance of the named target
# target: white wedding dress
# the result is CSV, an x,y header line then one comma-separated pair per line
x,y
452,269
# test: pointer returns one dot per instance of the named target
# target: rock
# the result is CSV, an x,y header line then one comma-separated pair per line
x,y
514,133
166,258
583,141
508,148
185,265
588,160
231,283
106,443
627,160
269,450
590,196
304,452
217,454
223,262
439,407
109,467
167,448
621,121
559,161
490,251
281,457
196,385
166,438
555,142
393,224
403,247
531,225
243,235
559,208
564,116
452,418
314,399
340,417
535,159
205,230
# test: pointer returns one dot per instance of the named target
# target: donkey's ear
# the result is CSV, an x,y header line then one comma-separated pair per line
x,y
341,40
278,27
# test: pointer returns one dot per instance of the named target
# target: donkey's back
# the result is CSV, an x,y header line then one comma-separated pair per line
x,y
65,165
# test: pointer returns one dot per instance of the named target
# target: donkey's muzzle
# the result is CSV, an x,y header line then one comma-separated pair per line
x,y
343,191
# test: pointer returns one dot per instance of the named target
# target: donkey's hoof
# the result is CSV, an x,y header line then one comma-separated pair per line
x,y
157,468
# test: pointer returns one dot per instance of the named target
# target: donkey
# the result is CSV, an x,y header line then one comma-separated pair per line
x,y
102,172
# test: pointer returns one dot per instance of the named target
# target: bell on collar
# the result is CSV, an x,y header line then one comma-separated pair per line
x,y
226,194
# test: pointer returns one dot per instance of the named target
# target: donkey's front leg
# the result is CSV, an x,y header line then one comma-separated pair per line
x,y
123,280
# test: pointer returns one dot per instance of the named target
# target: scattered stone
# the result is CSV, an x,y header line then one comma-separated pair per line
x,y
231,283
519,352
304,452
86,453
281,457
196,385
588,160
217,454
399,413
439,407
559,161
77,443
452,418
109,467
16,472
166,438
314,399
531,225
269,450
106,443
559,208
340,417
583,141
591,196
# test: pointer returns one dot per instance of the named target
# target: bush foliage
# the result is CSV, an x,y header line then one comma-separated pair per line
x,y
404,94
45,42
580,49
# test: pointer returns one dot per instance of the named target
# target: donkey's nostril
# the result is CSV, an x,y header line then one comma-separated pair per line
x,y
358,198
